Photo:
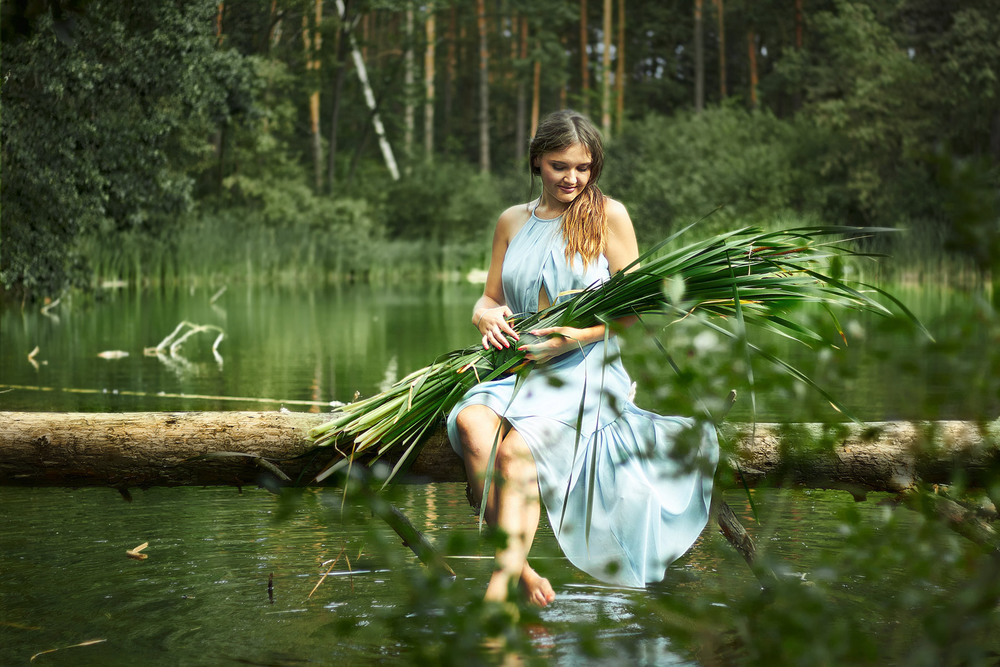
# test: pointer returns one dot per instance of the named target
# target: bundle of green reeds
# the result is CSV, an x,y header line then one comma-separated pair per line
x,y
747,276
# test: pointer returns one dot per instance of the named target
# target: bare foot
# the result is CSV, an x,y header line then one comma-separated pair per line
x,y
536,589
496,590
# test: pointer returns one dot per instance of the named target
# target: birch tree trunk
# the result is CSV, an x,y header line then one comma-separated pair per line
x,y
359,66
429,73
484,88
272,36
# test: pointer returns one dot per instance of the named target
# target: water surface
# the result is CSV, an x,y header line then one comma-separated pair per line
x,y
202,596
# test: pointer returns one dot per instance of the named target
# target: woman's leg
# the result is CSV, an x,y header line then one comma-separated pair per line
x,y
518,512
477,429
513,505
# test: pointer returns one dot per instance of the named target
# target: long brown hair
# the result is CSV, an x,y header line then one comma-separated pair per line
x,y
585,223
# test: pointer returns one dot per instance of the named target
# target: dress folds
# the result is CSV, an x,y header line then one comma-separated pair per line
x,y
649,476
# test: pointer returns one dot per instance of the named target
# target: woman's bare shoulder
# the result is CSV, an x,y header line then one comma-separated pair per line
x,y
511,220
618,217
621,248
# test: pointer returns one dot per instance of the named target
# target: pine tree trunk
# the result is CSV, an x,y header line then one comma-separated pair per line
x,y
799,29
338,88
606,71
620,70
799,42
451,66
520,140
337,91
409,78
721,14
584,59
536,96
218,23
699,58
752,56
995,138
484,88
429,73
312,42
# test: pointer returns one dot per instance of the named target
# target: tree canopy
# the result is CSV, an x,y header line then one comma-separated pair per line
x,y
126,121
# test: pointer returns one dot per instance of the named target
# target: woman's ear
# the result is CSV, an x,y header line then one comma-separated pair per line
x,y
535,169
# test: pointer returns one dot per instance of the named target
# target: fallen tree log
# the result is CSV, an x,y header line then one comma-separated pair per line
x,y
126,450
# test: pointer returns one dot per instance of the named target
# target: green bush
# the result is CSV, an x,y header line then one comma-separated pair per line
x,y
669,171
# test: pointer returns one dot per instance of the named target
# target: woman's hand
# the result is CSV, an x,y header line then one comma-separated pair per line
x,y
551,342
493,324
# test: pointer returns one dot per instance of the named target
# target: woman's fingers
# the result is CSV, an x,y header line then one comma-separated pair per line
x,y
497,331
549,331
509,330
540,351
494,336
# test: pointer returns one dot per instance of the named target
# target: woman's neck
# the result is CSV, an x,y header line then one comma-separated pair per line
x,y
548,209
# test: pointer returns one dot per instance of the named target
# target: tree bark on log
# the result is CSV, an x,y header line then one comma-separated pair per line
x,y
125,450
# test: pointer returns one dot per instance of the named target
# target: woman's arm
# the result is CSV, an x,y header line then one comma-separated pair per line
x,y
621,249
490,313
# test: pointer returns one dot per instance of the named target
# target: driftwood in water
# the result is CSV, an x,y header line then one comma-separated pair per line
x,y
235,448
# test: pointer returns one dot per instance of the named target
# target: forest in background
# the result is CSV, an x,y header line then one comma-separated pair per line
x,y
313,140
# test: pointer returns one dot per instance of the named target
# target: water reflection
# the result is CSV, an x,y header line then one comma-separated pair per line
x,y
253,577
281,345
309,348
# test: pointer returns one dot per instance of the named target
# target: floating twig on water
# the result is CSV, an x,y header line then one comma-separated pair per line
x,y
134,553
89,642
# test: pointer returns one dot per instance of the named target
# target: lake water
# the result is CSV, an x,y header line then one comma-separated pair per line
x,y
301,349
203,595
239,578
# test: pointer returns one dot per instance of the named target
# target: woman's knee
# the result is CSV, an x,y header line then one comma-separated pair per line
x,y
477,427
513,456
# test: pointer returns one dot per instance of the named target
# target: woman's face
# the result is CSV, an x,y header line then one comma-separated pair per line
x,y
565,174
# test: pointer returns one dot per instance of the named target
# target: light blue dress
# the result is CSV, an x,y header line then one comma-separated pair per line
x,y
650,476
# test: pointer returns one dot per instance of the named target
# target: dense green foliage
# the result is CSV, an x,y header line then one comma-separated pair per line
x,y
101,129
173,142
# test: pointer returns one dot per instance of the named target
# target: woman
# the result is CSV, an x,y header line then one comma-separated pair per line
x,y
619,501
